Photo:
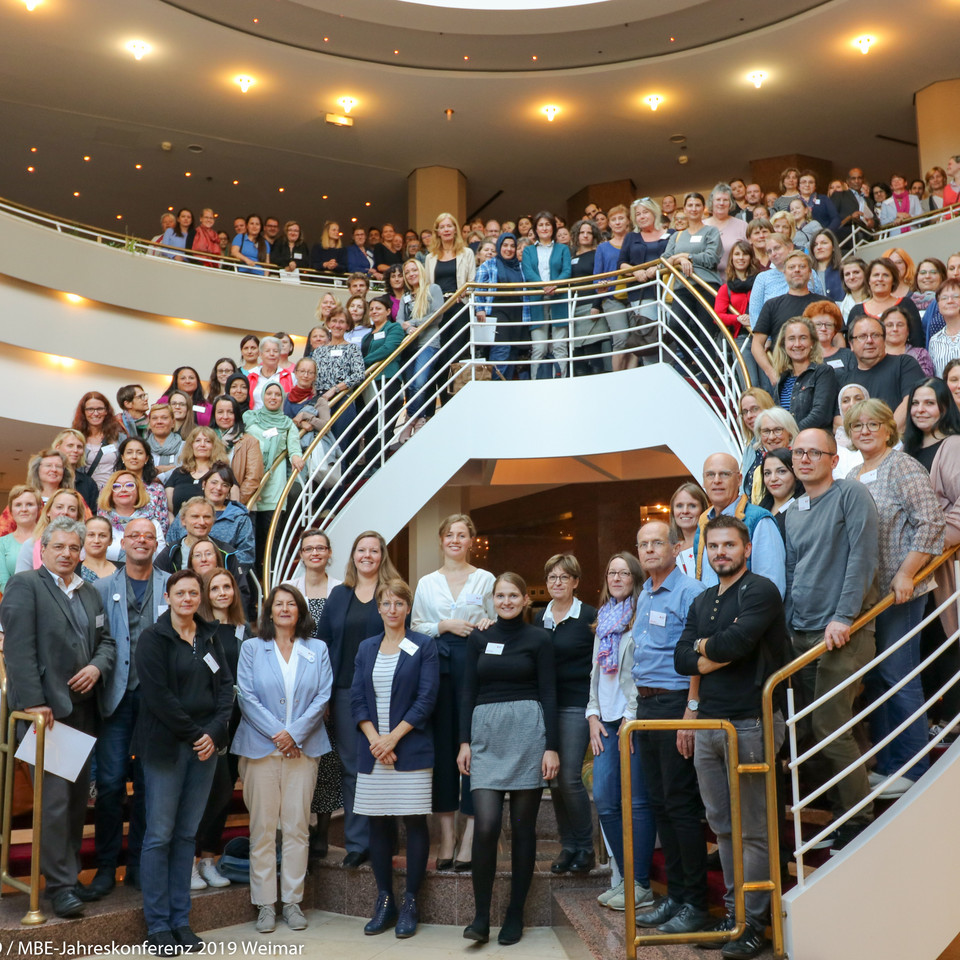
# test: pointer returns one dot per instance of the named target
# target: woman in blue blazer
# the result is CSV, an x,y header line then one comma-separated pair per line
x,y
394,691
284,680
547,260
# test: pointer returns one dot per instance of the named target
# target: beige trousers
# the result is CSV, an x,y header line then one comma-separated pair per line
x,y
277,792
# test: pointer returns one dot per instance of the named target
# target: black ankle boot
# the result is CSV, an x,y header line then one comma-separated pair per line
x,y
318,837
384,914
409,916
512,929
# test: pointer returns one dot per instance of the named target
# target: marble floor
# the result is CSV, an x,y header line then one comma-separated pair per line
x,y
336,937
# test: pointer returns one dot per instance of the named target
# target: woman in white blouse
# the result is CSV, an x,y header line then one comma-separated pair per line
x,y
449,604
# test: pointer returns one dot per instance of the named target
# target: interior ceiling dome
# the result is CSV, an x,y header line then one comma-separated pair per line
x,y
558,35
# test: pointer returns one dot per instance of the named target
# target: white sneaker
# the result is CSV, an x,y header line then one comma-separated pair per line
x,y
210,874
294,916
896,788
641,895
266,919
196,881
608,895
875,779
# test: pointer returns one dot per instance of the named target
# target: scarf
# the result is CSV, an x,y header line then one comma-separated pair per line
x,y
265,419
508,271
741,286
299,394
902,202
231,436
613,619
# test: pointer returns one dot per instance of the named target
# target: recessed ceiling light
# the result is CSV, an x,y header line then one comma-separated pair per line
x,y
31,5
280,189
367,204
138,166
326,39
353,219
235,182
448,113
244,82
138,48
653,101
76,193
170,209
119,216
187,173
324,197
534,57
33,149
86,159
30,169
757,78
396,52
864,43
73,298
550,111
466,57
348,103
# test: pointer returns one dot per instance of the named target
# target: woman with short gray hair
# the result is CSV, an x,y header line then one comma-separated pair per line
x,y
720,202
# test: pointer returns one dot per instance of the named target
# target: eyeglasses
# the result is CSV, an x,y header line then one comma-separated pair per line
x,y
318,549
771,431
94,409
656,544
392,604
559,578
718,475
948,297
812,454
825,325
141,396
863,337
129,485
140,536
65,548
871,425
619,575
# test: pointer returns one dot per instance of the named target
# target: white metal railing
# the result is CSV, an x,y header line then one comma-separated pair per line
x,y
860,235
660,328
196,259
800,801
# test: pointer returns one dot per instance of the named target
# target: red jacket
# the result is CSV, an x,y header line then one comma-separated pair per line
x,y
729,306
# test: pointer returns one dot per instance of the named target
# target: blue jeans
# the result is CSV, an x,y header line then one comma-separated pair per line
x,y
570,800
892,624
356,827
606,795
710,759
422,400
176,797
113,764
500,354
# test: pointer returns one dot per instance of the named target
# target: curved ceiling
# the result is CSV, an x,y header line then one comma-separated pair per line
x,y
435,35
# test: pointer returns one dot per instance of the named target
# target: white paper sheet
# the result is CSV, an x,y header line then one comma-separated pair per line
x,y
65,750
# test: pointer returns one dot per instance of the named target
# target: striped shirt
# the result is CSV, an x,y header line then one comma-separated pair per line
x,y
942,349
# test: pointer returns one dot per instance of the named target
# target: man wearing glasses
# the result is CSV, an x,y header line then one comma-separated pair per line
x,y
884,376
133,600
59,653
134,402
832,561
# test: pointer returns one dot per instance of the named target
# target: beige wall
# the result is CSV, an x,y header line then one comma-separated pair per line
x,y
937,135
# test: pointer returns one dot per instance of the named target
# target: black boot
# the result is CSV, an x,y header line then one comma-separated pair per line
x,y
318,837
384,914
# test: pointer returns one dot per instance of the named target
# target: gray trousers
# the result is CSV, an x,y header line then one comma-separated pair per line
x,y
710,760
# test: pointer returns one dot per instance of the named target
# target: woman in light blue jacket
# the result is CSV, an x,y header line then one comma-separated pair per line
x,y
547,260
284,681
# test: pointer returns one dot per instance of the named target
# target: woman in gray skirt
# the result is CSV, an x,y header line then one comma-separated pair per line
x,y
509,724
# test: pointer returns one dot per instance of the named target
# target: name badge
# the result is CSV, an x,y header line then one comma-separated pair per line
x,y
162,608
494,649
109,448
696,238
407,298
238,633
272,432
116,598
298,256
868,477
575,260
817,201
408,646
199,408
336,353
380,335
211,663
474,598
99,621
658,618
803,503
305,653
836,364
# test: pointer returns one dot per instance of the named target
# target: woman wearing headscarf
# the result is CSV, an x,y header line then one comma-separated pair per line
x,y
506,314
243,450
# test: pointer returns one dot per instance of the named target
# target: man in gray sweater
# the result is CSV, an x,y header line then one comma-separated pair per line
x,y
832,559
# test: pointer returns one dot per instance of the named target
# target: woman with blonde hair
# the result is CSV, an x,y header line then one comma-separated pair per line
x,y
24,506
349,617
202,448
449,264
785,225
807,387
753,401
122,499
329,255
63,503
774,428
72,445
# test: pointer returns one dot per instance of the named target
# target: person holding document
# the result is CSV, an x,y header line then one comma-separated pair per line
x,y
58,655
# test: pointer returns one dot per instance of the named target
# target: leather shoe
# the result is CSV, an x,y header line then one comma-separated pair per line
x,y
688,919
512,929
67,904
384,915
104,881
86,893
666,908
163,944
477,932
355,858
409,916
445,864
562,863
462,866
583,862
750,943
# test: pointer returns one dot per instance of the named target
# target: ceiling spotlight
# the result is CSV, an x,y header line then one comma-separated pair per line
x,y
324,197
448,113
73,298
76,193
865,43
138,48
31,5
757,78
653,101
550,111
244,82
30,169
86,159
138,166
348,103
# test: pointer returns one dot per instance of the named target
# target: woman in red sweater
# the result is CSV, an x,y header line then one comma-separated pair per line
x,y
732,305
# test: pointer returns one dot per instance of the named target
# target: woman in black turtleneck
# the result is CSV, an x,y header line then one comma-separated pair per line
x,y
509,723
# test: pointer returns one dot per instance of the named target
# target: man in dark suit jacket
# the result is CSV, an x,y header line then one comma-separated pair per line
x,y
58,652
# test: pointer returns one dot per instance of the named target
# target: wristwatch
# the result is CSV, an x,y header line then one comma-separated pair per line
x,y
693,705
696,646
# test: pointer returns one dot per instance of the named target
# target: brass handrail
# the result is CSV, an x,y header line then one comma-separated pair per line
x,y
371,376
717,321
8,747
767,712
740,887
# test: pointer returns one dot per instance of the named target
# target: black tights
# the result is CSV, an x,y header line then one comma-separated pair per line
x,y
488,808
383,840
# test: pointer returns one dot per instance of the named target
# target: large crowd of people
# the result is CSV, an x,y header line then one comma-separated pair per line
x,y
130,559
